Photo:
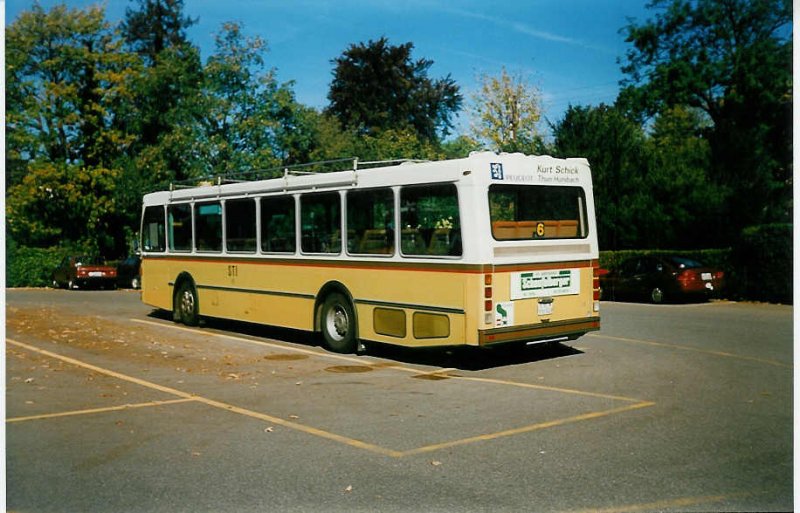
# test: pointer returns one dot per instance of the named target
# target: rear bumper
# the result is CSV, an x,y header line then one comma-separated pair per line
x,y
571,329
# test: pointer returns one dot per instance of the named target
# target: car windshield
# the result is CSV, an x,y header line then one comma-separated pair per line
x,y
87,260
685,263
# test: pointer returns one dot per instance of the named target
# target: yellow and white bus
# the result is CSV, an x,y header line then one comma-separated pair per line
x,y
478,251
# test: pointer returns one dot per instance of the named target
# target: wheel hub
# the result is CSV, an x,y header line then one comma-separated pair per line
x,y
340,322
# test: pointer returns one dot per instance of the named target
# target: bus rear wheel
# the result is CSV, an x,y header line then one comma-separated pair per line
x,y
185,307
337,320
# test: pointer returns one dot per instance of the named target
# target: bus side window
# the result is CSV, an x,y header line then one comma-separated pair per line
x,y
240,225
208,226
154,230
277,225
370,222
179,224
321,221
430,221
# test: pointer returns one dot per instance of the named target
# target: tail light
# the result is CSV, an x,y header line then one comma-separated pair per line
x,y
719,275
487,292
687,276
597,272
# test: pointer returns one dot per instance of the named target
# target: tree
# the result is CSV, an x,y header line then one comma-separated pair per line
x,y
331,141
156,26
64,204
678,181
506,114
172,68
68,79
243,115
66,76
731,59
615,148
377,86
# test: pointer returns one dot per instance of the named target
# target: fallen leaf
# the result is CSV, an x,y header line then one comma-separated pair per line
x,y
349,488
269,429
436,463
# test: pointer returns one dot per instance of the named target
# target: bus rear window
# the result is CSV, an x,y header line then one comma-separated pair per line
x,y
525,212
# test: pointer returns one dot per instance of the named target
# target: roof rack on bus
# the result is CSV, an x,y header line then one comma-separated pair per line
x,y
310,168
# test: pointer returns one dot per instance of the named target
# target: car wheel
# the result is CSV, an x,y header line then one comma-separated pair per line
x,y
657,295
71,285
338,324
186,308
135,283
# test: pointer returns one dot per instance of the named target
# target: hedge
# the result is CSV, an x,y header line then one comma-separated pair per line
x,y
764,257
757,268
32,267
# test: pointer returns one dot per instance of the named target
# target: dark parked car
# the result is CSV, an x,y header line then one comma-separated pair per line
x,y
661,278
129,273
83,272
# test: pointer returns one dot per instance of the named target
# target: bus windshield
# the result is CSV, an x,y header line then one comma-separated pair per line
x,y
524,212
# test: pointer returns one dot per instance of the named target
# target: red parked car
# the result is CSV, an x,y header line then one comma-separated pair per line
x,y
661,278
83,272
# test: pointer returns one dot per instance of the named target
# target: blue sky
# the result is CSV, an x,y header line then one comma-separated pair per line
x,y
568,49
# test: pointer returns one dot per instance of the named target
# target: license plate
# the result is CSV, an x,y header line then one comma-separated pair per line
x,y
545,308
706,276
97,274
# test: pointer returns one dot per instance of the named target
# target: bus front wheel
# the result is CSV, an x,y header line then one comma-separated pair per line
x,y
186,309
338,324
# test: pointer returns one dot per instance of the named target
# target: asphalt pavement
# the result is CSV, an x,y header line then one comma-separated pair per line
x,y
111,407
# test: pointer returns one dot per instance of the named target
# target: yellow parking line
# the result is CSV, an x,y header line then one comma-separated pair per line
x,y
210,402
693,349
681,502
547,388
445,372
346,440
98,410
526,429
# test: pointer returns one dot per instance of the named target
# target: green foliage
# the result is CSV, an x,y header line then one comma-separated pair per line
x,y
243,113
764,257
332,141
652,190
678,181
377,87
32,267
460,147
697,147
732,59
66,75
616,149
156,26
56,203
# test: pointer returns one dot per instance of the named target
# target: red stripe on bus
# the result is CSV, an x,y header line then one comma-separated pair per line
x,y
395,266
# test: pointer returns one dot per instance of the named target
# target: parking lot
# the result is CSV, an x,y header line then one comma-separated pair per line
x,y
113,407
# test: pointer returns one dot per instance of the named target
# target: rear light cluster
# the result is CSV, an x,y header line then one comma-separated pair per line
x,y
596,273
487,292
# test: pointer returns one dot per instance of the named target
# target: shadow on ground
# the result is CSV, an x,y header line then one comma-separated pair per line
x,y
462,358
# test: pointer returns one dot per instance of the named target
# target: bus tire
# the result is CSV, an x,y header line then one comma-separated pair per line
x,y
186,308
338,324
